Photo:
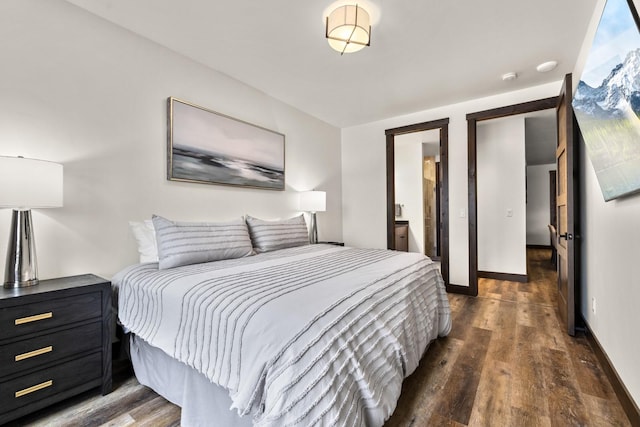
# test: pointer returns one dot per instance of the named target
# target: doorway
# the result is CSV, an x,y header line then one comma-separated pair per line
x,y
431,206
514,157
442,126
472,121
417,155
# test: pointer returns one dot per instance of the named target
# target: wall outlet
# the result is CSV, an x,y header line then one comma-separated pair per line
x,y
463,213
509,213
593,305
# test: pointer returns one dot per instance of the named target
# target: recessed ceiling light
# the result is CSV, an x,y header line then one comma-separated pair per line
x,y
509,76
547,66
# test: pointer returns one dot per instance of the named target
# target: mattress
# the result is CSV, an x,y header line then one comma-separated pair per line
x,y
317,334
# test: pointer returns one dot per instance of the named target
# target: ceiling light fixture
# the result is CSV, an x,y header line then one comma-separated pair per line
x,y
507,77
547,66
348,29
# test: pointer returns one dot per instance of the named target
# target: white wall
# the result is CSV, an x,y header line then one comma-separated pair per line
x,y
364,174
408,186
538,204
610,267
500,181
92,96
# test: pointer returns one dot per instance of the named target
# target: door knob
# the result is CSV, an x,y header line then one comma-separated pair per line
x,y
567,236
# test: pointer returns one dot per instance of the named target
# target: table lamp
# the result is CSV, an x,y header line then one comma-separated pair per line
x,y
312,202
26,184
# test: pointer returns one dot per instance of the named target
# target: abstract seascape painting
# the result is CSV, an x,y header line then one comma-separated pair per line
x,y
607,101
208,147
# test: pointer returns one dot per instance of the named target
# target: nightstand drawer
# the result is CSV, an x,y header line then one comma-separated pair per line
x,y
48,382
24,319
31,353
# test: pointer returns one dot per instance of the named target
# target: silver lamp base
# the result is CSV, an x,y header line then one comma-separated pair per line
x,y
22,265
313,232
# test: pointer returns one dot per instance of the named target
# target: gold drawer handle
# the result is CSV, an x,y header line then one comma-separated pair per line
x,y
34,388
34,353
35,318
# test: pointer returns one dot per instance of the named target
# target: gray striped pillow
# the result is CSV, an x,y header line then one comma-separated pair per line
x,y
184,243
272,235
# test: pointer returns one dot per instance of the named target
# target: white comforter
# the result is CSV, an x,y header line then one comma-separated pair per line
x,y
311,335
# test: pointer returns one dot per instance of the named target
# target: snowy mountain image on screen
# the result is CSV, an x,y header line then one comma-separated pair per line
x,y
607,102
618,93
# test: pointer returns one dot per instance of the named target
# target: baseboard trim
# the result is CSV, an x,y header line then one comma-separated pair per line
x,y
524,278
459,289
629,406
538,246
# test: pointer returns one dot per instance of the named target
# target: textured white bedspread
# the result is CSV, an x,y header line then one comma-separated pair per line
x,y
317,334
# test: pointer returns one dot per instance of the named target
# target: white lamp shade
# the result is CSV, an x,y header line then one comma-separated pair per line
x,y
313,201
30,183
348,28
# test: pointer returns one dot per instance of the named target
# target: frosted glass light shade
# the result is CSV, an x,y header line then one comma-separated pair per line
x,y
313,201
348,28
30,183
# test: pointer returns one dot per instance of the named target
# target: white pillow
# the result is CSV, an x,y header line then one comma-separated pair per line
x,y
184,243
279,234
145,235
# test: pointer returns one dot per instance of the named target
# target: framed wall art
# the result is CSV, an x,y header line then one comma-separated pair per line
x,y
208,147
607,101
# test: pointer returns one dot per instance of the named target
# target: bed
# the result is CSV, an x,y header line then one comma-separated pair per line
x,y
307,335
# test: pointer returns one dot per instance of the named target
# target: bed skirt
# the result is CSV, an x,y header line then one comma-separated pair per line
x,y
203,403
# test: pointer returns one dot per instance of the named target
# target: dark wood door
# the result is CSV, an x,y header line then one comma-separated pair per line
x,y
567,208
552,199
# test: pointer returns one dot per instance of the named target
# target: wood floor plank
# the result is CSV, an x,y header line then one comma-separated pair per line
x,y
603,414
440,421
486,315
457,302
492,403
503,340
591,377
423,388
524,316
528,386
489,286
522,418
156,412
509,291
546,322
465,318
566,407
123,420
533,294
461,387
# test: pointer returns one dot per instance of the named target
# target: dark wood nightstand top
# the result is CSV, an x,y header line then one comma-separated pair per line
x,y
53,285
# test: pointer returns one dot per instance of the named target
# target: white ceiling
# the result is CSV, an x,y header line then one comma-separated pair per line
x,y
423,54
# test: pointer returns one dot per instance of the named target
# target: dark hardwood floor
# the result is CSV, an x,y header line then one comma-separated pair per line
x,y
506,363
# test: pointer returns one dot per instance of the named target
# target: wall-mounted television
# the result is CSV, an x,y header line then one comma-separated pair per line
x,y
607,100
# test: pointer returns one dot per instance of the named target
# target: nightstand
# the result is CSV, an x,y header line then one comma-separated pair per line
x,y
333,243
55,342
